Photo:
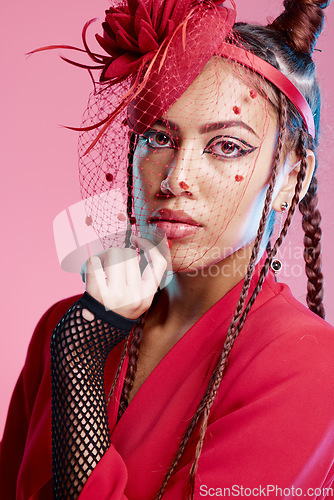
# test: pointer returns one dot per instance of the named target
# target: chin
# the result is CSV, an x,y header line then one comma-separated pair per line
x,y
192,262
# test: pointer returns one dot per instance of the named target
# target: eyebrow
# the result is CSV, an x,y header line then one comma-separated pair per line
x,y
209,127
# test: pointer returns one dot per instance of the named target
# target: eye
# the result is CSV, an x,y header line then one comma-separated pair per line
x,y
228,147
157,139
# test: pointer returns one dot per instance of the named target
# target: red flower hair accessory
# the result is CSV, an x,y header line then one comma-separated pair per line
x,y
145,40
134,32
140,36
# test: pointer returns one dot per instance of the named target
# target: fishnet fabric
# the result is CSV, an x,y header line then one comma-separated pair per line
x,y
103,170
80,433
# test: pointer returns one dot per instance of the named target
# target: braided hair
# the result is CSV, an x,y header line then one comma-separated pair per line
x,y
287,44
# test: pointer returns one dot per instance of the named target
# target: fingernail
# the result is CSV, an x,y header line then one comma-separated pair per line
x,y
134,239
160,232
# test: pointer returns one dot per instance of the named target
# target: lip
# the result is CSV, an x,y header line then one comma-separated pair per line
x,y
172,216
176,224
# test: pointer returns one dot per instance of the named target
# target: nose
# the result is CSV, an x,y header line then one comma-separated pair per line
x,y
182,173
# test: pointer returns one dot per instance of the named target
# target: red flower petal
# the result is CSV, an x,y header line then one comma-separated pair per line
x,y
108,30
123,20
123,66
110,46
149,7
154,14
173,10
169,29
149,29
133,6
125,41
141,15
146,42
163,16
115,10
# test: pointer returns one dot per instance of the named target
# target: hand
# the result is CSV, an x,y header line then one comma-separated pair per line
x,y
113,277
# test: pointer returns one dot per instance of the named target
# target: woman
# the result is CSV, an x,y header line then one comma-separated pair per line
x,y
219,141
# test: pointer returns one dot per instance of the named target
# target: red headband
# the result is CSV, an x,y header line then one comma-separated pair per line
x,y
274,76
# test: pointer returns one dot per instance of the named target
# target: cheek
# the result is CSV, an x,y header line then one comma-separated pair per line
x,y
251,207
149,169
225,190
253,214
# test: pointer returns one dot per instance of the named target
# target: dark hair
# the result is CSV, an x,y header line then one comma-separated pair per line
x,y
271,46
287,44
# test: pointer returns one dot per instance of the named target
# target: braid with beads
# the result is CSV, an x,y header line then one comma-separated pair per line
x,y
300,25
119,369
279,241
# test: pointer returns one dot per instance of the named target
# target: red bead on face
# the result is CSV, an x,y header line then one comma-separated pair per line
x,y
184,185
253,94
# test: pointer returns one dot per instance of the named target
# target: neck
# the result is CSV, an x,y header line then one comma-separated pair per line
x,y
189,295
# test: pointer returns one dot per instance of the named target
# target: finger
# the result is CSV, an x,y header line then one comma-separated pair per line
x,y
95,278
155,268
132,268
114,265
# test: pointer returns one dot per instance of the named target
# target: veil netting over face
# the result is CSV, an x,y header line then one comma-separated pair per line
x,y
178,139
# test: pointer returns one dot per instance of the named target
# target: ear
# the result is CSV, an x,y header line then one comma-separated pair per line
x,y
292,168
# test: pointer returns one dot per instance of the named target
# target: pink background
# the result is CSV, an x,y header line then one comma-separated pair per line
x,y
39,163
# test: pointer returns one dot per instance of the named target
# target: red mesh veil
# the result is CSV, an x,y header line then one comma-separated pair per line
x,y
171,147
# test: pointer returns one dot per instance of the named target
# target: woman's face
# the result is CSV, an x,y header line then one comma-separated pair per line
x,y
201,172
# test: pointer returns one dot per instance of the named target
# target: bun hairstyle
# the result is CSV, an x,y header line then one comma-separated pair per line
x,y
301,23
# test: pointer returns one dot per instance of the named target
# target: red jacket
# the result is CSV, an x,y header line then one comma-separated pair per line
x,y
271,428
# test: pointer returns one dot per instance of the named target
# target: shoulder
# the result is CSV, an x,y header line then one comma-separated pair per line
x,y
283,315
284,345
276,398
281,368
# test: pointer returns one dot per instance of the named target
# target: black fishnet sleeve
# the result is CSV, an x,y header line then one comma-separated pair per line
x,y
80,433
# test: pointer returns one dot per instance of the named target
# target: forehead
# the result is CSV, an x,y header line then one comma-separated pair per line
x,y
223,91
